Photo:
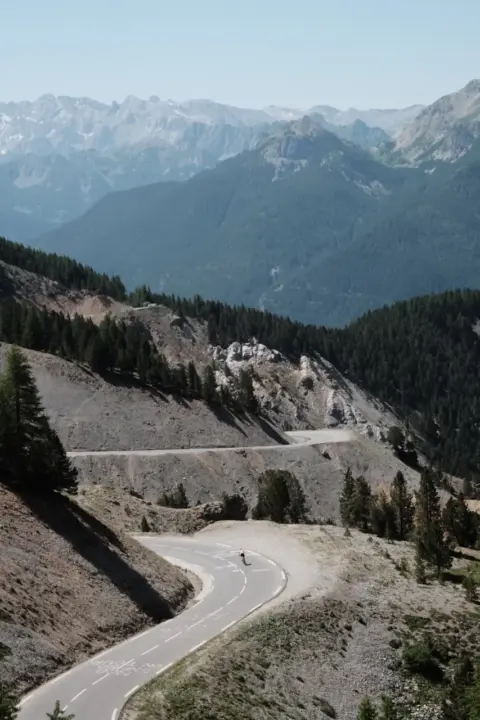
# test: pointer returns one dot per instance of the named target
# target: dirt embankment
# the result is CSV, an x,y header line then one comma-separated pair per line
x,y
71,585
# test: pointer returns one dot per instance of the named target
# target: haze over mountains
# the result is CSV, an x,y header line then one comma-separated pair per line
x,y
297,214
60,155
305,224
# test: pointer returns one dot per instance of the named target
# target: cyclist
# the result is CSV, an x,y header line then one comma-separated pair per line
x,y
242,555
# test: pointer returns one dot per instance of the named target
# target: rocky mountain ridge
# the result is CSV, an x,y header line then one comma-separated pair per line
x,y
59,155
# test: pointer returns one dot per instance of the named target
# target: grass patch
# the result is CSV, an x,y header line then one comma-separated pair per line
x,y
416,622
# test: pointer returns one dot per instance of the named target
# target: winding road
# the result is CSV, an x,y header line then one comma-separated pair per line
x,y
98,688
298,438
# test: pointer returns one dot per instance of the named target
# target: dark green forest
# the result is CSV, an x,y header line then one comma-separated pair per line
x,y
421,356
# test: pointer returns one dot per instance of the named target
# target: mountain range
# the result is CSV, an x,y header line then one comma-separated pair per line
x,y
59,155
306,224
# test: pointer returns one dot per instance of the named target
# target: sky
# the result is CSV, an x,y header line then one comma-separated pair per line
x,y
250,53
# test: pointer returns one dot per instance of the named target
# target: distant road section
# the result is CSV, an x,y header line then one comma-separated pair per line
x,y
299,438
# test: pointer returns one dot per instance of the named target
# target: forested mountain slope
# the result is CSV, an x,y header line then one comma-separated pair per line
x,y
315,228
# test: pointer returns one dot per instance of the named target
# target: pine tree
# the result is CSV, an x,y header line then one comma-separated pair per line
x,y
402,503
388,710
8,703
461,524
347,508
58,713
420,574
273,496
209,385
432,545
247,393
362,503
366,710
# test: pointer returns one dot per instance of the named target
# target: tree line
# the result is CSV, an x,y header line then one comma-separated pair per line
x,y
59,268
118,347
420,356
401,515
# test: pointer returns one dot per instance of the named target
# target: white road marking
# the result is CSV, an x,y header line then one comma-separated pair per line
x,y
279,589
198,646
148,651
173,637
284,577
256,607
271,562
123,664
164,669
228,626
197,623
233,600
141,634
223,545
25,699
78,695
131,691
261,570
100,679
64,708
114,714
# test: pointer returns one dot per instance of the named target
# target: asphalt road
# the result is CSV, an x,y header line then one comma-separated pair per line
x,y
98,688
299,438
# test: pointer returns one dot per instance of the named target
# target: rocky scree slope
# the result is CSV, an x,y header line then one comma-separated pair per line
x,y
70,586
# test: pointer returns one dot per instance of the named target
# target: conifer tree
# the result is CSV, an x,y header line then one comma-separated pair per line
x,y
347,508
402,503
432,546
209,385
366,710
8,703
362,503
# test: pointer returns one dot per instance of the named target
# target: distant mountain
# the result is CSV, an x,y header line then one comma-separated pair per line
x,y
60,155
255,230
443,131
390,121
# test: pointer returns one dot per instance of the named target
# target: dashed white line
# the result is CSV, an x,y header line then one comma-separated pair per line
x,y
197,623
149,651
78,695
284,577
64,708
164,669
233,600
131,691
173,637
260,570
271,562
100,679
114,714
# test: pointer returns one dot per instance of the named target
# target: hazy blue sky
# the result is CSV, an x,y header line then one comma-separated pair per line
x,y
364,53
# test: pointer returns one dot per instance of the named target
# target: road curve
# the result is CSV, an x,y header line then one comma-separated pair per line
x,y
99,687
299,438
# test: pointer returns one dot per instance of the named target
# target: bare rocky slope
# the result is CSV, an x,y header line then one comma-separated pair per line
x,y
91,414
71,585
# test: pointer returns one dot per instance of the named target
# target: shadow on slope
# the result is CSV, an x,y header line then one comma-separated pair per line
x,y
99,546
